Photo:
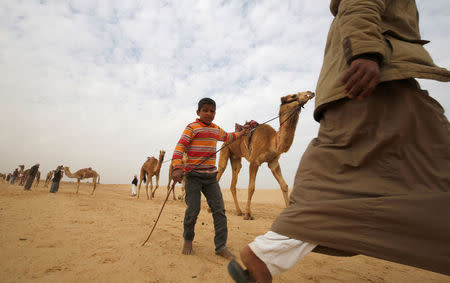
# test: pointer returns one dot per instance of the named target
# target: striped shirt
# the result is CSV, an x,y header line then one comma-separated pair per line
x,y
199,141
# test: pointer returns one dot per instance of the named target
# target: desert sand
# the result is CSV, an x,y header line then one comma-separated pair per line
x,y
65,237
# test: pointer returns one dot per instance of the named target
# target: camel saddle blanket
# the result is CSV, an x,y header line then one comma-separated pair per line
x,y
248,125
376,179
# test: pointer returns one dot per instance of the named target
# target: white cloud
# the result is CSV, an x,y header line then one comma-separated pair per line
x,y
107,83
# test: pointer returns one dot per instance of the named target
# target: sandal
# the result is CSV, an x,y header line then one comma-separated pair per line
x,y
238,274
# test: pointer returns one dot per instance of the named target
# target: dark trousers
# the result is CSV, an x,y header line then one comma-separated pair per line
x,y
55,186
13,179
206,183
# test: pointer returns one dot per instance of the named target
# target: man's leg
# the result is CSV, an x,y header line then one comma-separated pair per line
x,y
272,254
192,199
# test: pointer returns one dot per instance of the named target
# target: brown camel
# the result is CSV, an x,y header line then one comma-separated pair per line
x,y
84,173
183,193
49,177
264,145
150,168
37,178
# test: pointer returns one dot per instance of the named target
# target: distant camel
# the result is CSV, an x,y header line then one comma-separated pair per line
x,y
38,178
183,193
84,173
150,168
264,145
49,177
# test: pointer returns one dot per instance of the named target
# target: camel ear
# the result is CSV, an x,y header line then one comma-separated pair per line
x,y
283,99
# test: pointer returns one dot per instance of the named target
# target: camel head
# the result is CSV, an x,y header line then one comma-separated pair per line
x,y
300,98
161,155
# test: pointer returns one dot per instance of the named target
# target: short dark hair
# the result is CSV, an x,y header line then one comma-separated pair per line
x,y
204,101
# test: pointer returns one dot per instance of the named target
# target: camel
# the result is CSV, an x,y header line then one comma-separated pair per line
x,y
37,178
150,168
264,144
49,177
84,173
183,193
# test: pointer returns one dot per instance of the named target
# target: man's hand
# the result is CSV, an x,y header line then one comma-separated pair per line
x,y
177,175
361,78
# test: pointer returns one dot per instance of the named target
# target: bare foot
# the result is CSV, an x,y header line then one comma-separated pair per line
x,y
187,248
226,253
256,267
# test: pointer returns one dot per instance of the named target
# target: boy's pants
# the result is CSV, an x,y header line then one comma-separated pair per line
x,y
206,183
13,179
279,252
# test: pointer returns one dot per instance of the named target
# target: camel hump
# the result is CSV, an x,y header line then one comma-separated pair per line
x,y
248,125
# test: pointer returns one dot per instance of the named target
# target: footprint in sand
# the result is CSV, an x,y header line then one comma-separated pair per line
x,y
53,269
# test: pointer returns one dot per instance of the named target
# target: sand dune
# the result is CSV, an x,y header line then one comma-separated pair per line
x,y
66,237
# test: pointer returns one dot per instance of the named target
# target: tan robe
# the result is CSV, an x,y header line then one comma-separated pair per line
x,y
376,180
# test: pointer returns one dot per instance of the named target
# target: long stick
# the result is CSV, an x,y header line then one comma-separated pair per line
x,y
156,222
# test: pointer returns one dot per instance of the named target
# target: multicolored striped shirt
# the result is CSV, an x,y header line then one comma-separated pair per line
x,y
199,141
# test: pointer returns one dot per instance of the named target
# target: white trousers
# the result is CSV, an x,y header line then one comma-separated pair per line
x,y
133,189
279,252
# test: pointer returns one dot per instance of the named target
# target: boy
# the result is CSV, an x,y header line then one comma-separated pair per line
x,y
199,140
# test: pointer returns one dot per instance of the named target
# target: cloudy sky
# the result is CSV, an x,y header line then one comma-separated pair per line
x,y
107,83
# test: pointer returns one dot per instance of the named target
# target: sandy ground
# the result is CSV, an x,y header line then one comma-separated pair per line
x,y
66,237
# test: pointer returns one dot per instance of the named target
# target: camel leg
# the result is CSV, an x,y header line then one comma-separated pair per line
x,y
236,166
78,185
157,185
94,181
251,190
139,187
149,180
223,160
151,188
170,181
276,171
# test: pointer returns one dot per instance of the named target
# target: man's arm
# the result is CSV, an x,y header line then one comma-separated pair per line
x,y
363,44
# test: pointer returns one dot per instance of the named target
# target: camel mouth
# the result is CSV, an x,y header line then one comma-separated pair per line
x,y
301,98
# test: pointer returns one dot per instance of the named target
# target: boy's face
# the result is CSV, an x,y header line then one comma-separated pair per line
x,y
207,113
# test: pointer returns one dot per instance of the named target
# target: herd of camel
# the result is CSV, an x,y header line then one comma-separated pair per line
x,y
81,174
262,145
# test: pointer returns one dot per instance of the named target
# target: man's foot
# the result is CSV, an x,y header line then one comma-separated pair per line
x,y
225,252
238,273
187,248
257,268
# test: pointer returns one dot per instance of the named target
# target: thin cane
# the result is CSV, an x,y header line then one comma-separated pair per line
x,y
154,225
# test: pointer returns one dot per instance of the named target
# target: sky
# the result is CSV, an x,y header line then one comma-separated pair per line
x,y
104,84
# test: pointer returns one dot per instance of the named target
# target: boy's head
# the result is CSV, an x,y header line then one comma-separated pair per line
x,y
206,110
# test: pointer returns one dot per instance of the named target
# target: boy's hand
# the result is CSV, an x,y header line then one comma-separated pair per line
x,y
361,78
245,131
177,175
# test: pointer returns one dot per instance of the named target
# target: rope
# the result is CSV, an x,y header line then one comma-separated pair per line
x,y
228,144
270,120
